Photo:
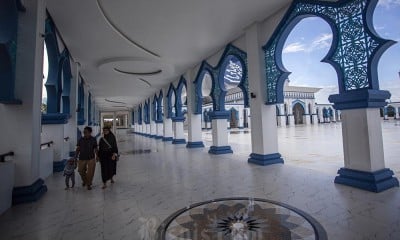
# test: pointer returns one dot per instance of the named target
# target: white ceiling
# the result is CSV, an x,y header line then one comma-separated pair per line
x,y
181,32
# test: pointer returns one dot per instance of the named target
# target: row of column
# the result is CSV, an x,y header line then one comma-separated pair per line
x,y
364,165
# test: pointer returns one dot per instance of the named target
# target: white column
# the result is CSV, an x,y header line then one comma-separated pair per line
x,y
290,114
195,139
21,124
153,130
168,134
396,113
167,130
159,129
385,115
148,130
220,134
363,151
179,134
282,117
264,138
307,116
241,119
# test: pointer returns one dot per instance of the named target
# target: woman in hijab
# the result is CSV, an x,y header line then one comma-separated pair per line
x,y
108,154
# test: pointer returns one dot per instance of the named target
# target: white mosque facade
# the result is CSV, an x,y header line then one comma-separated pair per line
x,y
299,107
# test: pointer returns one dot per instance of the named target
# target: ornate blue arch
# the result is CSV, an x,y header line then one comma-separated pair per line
x,y
198,82
8,49
171,90
354,54
154,108
67,76
303,104
240,55
53,83
140,115
89,110
160,107
218,91
81,102
178,97
147,111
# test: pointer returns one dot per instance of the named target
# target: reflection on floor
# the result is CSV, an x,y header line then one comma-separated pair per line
x,y
150,187
240,219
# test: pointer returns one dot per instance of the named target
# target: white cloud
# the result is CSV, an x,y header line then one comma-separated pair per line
x,y
389,3
294,47
321,42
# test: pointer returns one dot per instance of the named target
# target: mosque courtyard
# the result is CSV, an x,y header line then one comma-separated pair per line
x,y
156,179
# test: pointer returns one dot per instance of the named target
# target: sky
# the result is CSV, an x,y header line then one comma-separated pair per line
x,y
310,40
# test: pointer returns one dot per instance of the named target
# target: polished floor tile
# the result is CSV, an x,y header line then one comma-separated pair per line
x,y
155,179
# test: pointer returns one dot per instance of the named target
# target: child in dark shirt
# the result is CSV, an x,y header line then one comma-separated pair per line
x,y
69,172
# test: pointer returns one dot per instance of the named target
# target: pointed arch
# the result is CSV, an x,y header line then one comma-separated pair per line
x,y
354,54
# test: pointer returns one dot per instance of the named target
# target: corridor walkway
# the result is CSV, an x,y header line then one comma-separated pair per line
x,y
155,179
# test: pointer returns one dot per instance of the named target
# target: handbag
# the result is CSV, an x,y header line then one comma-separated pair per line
x,y
109,145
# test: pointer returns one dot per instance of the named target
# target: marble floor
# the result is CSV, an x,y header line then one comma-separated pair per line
x,y
155,179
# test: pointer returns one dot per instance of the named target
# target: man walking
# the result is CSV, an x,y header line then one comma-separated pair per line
x,y
86,149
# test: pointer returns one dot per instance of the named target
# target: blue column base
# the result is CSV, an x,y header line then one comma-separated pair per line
x,y
264,160
158,137
152,136
167,139
29,193
59,166
179,141
218,150
199,144
71,154
370,181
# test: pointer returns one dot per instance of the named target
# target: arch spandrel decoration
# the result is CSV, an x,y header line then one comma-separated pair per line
x,y
354,54
160,107
217,76
178,97
171,90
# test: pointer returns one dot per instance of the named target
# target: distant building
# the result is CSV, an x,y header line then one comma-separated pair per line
x,y
299,107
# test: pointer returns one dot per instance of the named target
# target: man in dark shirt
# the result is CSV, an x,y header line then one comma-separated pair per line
x,y
86,149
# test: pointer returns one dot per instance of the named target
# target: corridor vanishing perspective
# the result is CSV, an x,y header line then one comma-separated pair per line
x,y
216,139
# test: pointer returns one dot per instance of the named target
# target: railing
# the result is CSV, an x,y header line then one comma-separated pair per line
x,y
46,144
3,156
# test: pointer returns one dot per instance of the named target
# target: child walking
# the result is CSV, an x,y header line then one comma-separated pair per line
x,y
69,172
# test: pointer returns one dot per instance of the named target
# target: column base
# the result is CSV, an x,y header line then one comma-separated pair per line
x,y
217,150
167,139
158,137
199,144
71,154
152,136
179,141
267,159
370,181
59,166
29,193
